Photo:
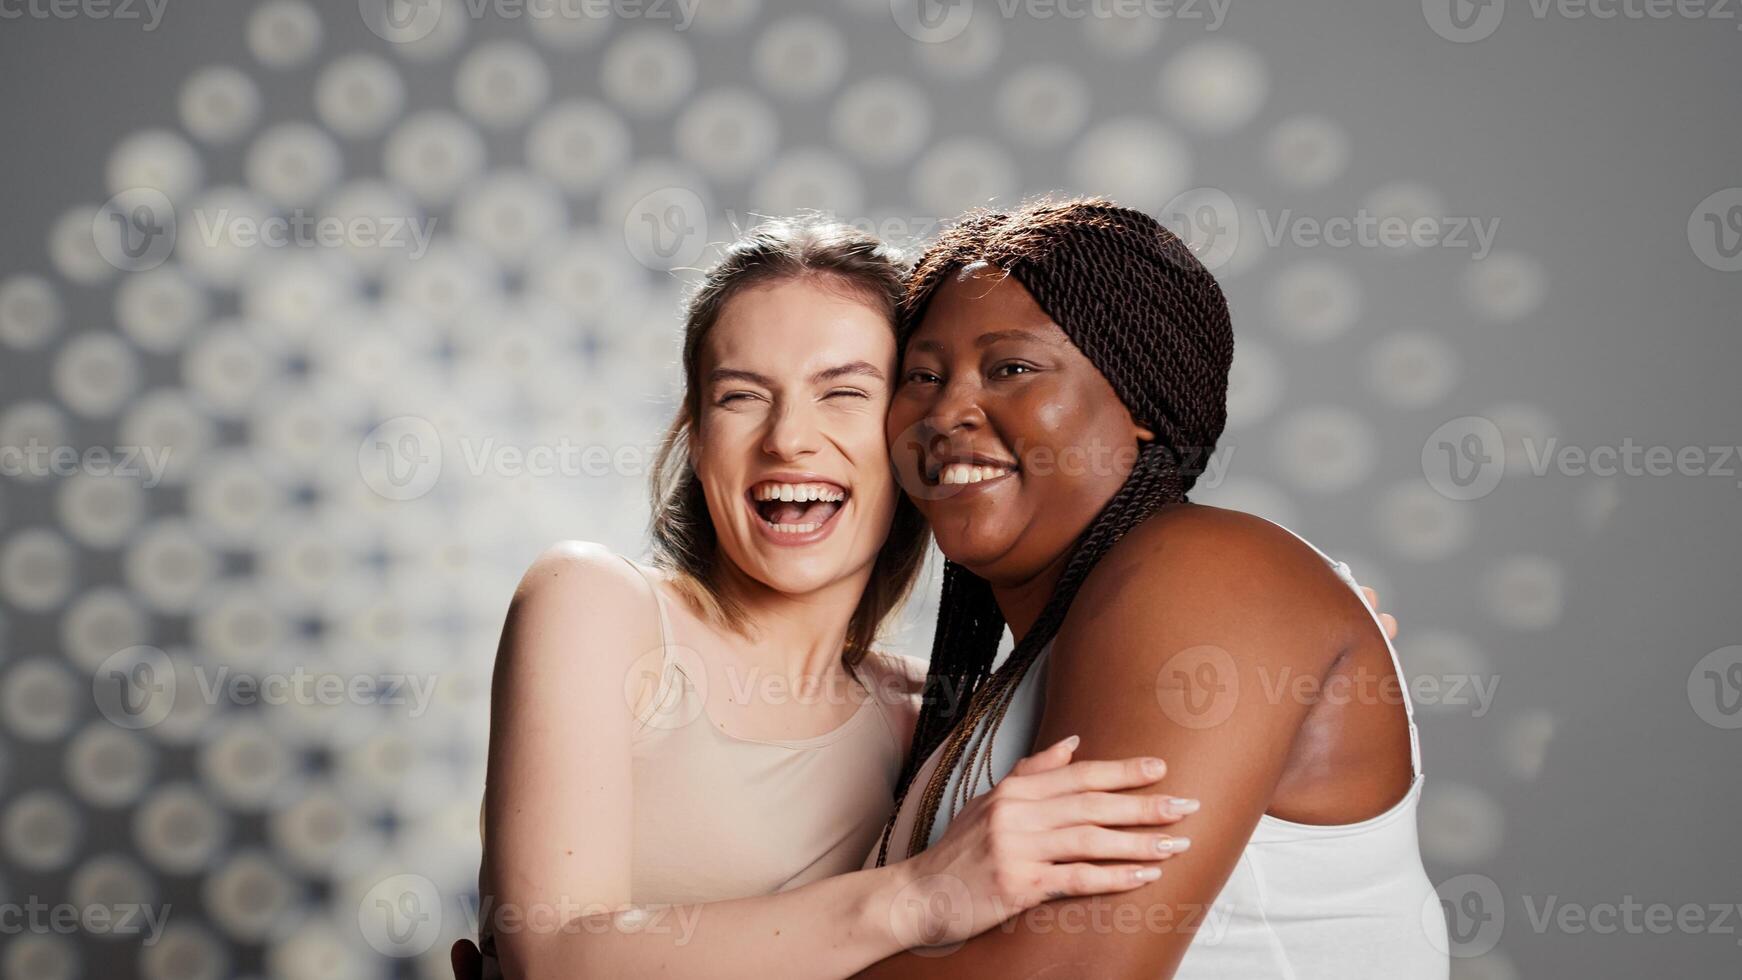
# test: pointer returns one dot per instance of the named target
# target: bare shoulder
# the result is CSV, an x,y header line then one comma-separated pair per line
x,y
1211,549
575,597
573,566
1217,538
1210,564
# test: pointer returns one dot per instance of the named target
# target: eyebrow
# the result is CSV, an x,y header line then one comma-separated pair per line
x,y
827,374
734,374
984,340
847,370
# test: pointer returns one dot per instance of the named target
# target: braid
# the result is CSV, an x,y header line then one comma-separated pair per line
x,y
1140,306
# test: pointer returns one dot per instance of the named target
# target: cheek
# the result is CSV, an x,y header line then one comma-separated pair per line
x,y
905,412
868,446
1073,442
1054,421
716,452
1049,425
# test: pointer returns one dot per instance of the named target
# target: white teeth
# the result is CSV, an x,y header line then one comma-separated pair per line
x,y
956,474
795,528
797,492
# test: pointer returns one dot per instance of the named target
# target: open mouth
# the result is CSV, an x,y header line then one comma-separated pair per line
x,y
797,508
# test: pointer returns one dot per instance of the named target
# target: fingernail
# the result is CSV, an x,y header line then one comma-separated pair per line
x,y
1153,767
1148,874
1181,804
1173,845
1072,743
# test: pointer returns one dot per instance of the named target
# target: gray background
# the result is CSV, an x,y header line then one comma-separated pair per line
x,y
1600,774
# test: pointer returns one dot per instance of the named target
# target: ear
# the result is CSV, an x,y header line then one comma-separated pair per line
x,y
1142,430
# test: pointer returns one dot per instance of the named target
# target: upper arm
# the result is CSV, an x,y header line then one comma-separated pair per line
x,y
557,796
1175,647
1184,645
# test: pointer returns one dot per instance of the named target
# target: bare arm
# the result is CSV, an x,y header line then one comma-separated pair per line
x,y
558,818
1252,604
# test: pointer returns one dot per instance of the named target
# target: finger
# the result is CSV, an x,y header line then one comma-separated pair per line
x,y
1049,758
1371,596
1088,775
1388,622
1090,843
1065,880
1111,810
467,961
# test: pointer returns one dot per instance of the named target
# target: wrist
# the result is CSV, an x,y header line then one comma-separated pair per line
x,y
882,912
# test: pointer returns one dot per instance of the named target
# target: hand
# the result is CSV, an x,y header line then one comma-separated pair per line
x,y
1387,621
1031,839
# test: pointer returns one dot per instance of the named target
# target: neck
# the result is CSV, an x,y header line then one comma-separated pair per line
x,y
1022,600
800,635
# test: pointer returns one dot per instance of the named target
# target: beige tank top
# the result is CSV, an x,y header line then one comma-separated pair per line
x,y
719,816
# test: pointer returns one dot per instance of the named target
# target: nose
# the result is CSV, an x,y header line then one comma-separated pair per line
x,y
792,433
956,408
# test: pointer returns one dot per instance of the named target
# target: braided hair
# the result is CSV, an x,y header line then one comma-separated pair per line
x,y
1133,298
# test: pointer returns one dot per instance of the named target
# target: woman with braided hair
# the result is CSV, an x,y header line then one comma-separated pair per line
x,y
1064,378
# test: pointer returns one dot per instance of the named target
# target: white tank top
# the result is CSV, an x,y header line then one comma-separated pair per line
x,y
1349,901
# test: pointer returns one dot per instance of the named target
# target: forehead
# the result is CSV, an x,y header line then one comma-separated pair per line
x,y
797,326
981,298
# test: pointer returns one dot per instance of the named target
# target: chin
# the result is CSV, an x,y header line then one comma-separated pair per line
x,y
801,576
972,547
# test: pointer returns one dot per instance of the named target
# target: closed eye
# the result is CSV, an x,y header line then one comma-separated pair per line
x,y
733,396
847,393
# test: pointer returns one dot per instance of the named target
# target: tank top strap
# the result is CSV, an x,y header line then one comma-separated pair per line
x,y
658,604
656,668
1348,577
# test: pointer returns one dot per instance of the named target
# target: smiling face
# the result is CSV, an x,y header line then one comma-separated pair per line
x,y
788,442
1004,434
